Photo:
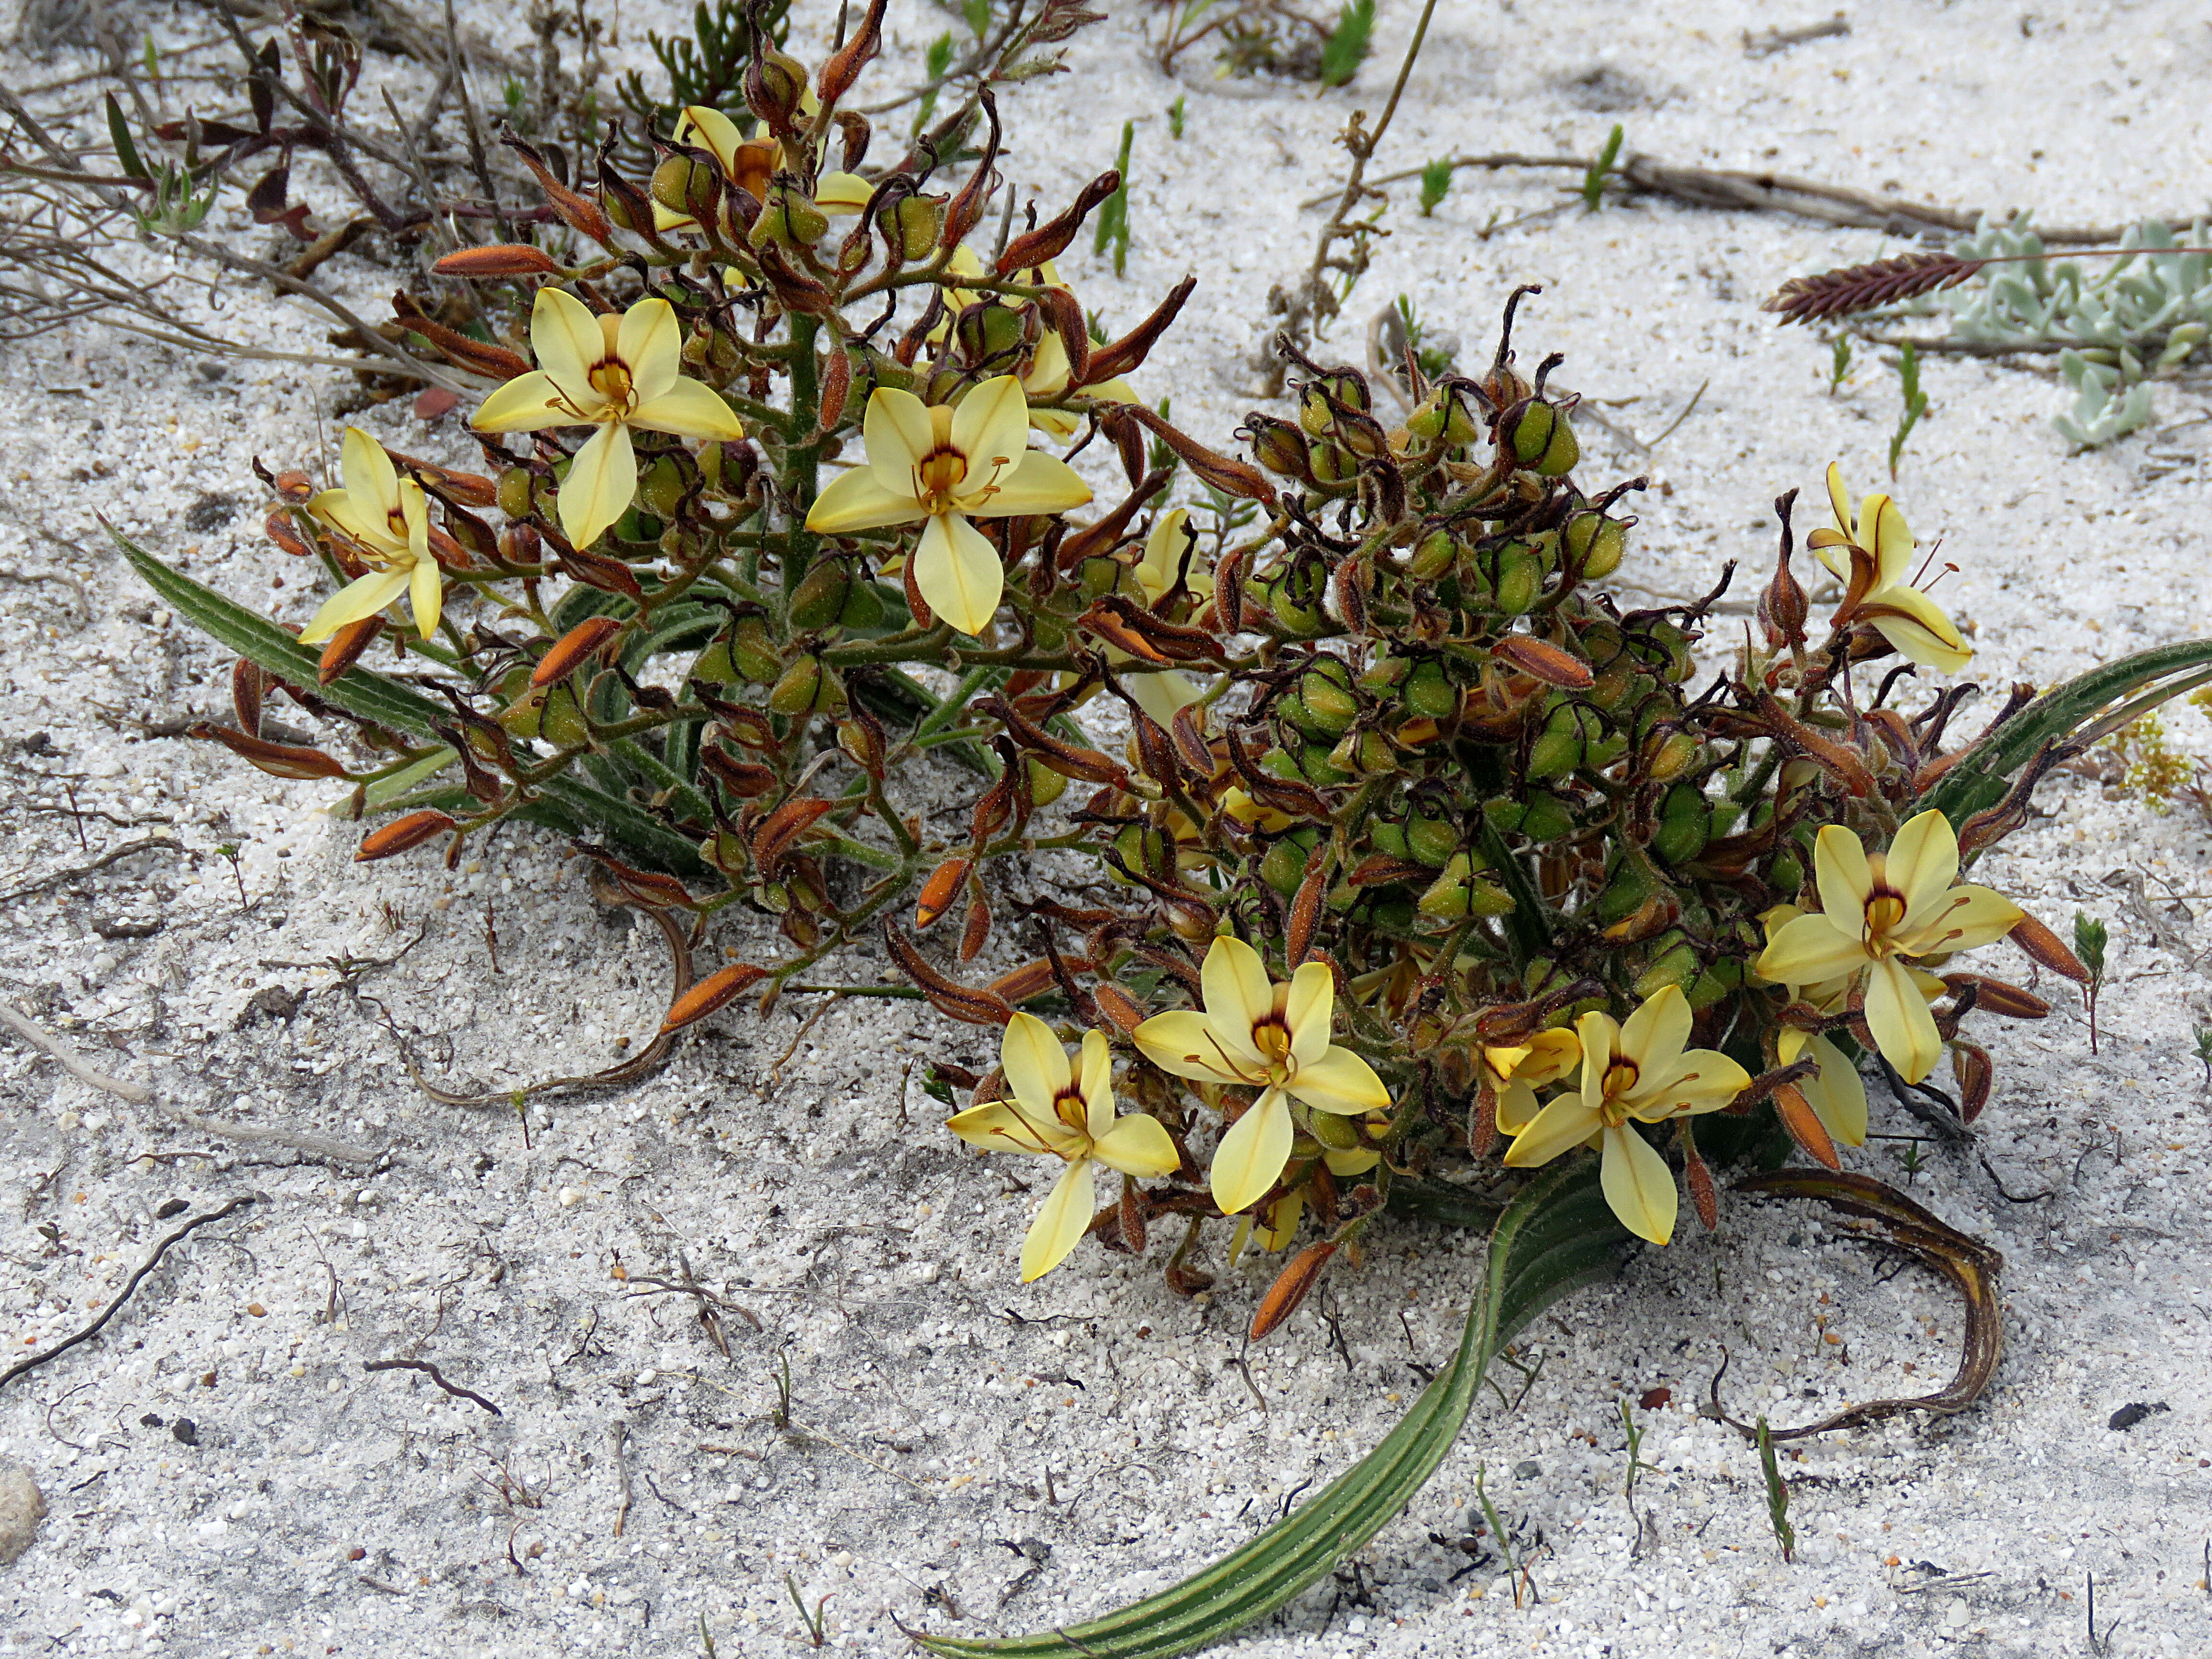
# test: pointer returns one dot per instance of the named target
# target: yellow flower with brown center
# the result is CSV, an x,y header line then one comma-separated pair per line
x,y
1869,554
1514,1072
386,521
1261,1035
614,372
942,466
751,163
1880,911
1635,1072
1057,1112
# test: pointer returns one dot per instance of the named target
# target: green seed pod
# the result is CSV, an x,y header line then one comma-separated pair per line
x,y
1542,439
1428,692
1716,982
1280,448
1504,814
1562,745
1284,865
1624,894
1385,673
1450,897
514,492
1331,464
1432,840
986,331
1596,544
1676,754
1317,768
1391,912
789,218
660,487
1787,873
1295,609
1333,1131
1547,818
1387,838
1673,962
1325,706
920,224
1363,754
1604,750
1520,579
864,606
808,686
1434,556
1681,838
1722,821
560,718
819,598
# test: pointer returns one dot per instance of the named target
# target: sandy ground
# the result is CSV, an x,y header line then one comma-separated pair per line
x,y
957,1452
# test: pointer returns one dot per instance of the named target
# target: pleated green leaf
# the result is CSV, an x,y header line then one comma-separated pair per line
x,y
1556,1233
2087,708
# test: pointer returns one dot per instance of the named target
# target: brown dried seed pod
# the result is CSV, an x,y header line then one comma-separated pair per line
x,y
402,834
1542,661
711,994
281,760
1291,1287
345,647
573,649
499,260
939,891
2046,948
1805,1126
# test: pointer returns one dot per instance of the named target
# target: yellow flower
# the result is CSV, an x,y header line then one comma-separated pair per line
x,y
943,466
1056,1114
1273,1227
1273,1037
1638,1071
614,372
1907,617
1878,910
1515,1073
750,163
386,519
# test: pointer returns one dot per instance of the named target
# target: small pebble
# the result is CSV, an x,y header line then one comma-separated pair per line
x,y
23,1506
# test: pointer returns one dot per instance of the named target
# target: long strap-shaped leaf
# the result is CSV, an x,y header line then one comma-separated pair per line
x,y
567,804
1978,779
1556,1233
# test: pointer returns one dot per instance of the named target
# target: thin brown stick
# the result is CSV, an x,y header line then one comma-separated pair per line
x,y
435,1375
68,1059
146,844
35,1360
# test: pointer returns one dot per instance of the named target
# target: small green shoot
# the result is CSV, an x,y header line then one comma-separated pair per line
x,y
1432,360
1094,324
1636,1466
935,61
1159,458
977,16
706,1637
1498,1535
228,851
1593,180
1778,1496
1915,402
151,57
1175,118
1436,185
1910,1159
1839,362
781,1415
1113,227
1528,1375
816,1622
2090,939
2204,1052
119,133
1348,43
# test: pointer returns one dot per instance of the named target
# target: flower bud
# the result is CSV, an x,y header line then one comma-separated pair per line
x,y
575,648
344,648
939,891
774,86
808,687
711,994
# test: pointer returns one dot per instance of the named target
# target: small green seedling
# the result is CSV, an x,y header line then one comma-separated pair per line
x,y
1175,118
1514,1569
1113,227
2089,941
1159,458
2204,1052
977,16
1348,43
1839,362
1636,1466
1436,185
1915,402
935,61
1593,180
1778,1495
816,1622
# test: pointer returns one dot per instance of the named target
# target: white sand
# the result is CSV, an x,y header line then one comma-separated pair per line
x,y
945,1408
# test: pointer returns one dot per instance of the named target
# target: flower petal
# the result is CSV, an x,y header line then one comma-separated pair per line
x,y
602,479
1162,695
1811,948
1060,1222
1838,1095
959,573
566,336
1560,1127
650,343
1183,1045
1137,1144
1234,985
1638,1185
1094,1080
1551,1054
1926,635
527,402
351,603
1252,1154
1047,371
707,128
899,436
1001,1126
1839,499
1654,1035
991,426
338,509
425,593
1698,1080
690,410
1897,1015
1966,916
858,500
838,193
1891,542
1307,1009
371,479
1038,483
1845,880
1339,1081
1034,1064
1923,863
1516,1107
1598,1037
1170,540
